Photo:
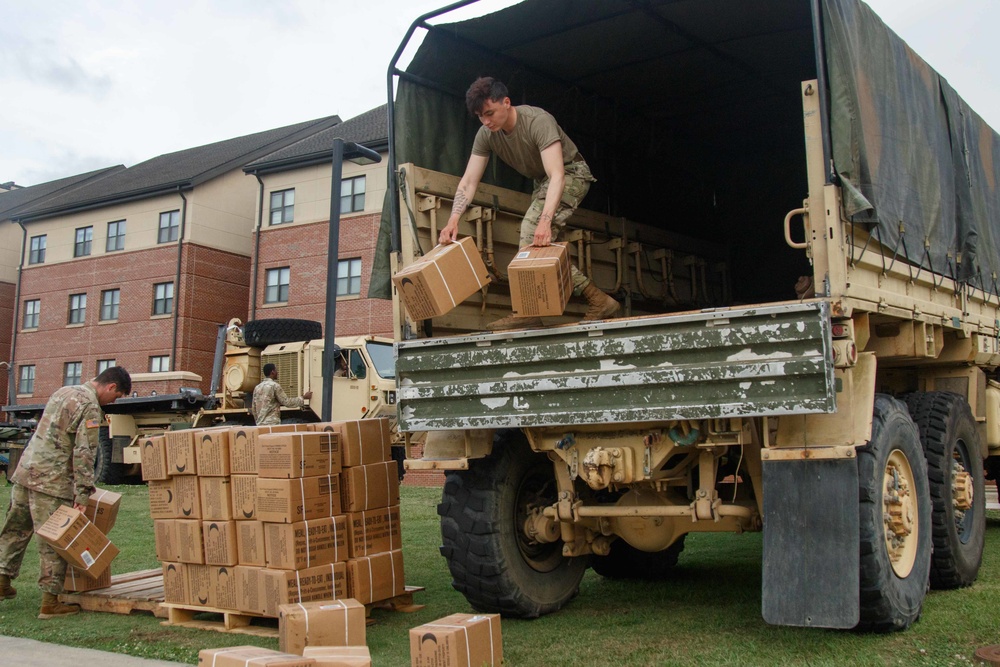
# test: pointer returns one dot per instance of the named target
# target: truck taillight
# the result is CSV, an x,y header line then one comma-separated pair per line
x,y
838,330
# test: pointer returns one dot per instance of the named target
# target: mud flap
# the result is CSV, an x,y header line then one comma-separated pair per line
x,y
811,543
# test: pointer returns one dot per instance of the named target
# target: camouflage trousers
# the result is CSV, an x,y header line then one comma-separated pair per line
x,y
577,184
28,510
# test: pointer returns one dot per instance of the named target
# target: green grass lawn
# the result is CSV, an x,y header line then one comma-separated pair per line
x,y
707,614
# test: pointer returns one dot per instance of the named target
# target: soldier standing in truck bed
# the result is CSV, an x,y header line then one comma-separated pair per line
x,y
57,468
529,140
269,397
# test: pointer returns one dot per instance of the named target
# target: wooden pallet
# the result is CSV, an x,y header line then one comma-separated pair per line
x,y
403,603
132,591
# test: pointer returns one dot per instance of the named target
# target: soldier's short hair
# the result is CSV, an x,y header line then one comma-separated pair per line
x,y
117,376
267,370
482,89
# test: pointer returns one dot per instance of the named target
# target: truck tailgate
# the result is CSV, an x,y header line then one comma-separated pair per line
x,y
751,361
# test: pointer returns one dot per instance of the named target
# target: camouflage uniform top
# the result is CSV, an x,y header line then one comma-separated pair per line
x,y
59,459
268,397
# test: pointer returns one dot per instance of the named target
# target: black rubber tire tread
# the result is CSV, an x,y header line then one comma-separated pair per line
x,y
105,470
480,541
261,333
889,602
944,419
626,562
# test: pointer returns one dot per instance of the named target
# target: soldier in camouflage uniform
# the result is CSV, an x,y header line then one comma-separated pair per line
x,y
529,140
269,397
57,468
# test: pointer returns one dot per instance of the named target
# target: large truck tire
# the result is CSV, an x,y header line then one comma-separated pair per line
x,y
626,562
107,471
492,562
895,521
951,445
261,333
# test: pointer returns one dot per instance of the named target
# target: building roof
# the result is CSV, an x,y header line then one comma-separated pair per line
x,y
12,201
369,129
181,170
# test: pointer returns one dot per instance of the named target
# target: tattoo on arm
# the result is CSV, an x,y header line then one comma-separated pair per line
x,y
461,203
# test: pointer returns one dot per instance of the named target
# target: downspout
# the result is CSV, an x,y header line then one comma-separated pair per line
x,y
12,379
256,250
177,281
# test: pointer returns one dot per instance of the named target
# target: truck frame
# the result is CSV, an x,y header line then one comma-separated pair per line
x,y
852,425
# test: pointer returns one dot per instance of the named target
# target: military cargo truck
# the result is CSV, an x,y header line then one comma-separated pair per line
x,y
799,216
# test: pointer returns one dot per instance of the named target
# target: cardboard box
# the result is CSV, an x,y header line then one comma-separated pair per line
x,y
187,492
369,487
243,445
181,457
326,623
459,640
165,540
162,500
376,577
250,656
281,587
153,454
211,446
224,587
201,590
540,280
175,584
78,581
216,498
440,280
248,589
220,543
78,541
339,656
102,509
250,543
291,455
244,489
190,545
295,546
373,531
291,500
362,441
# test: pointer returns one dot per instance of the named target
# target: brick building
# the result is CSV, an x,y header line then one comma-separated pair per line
x,y
290,263
138,267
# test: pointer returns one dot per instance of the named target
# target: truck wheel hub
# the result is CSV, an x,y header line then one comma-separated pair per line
x,y
899,514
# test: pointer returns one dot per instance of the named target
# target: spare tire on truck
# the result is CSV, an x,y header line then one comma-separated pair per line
x,y
261,333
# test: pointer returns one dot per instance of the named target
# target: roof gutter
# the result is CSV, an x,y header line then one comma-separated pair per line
x,y
310,160
104,201
177,281
393,71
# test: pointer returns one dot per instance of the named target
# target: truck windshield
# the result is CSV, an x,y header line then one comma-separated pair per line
x,y
382,357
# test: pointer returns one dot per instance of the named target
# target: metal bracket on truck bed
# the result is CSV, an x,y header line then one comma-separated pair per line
x,y
774,359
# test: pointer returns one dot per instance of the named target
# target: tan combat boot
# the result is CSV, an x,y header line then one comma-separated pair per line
x,y
53,608
513,322
6,590
601,306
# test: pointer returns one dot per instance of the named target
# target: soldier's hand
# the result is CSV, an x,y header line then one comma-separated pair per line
x,y
79,508
307,395
543,235
449,234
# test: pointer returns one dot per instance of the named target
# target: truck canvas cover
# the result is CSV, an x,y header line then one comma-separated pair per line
x,y
701,99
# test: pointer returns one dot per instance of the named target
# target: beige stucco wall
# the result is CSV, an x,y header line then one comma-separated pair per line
x,y
221,212
312,190
10,251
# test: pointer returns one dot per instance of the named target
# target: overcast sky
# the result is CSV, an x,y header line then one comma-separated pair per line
x,y
86,84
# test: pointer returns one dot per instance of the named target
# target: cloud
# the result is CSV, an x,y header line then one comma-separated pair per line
x,y
42,62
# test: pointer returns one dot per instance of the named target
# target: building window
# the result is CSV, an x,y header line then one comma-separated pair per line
x,y
352,194
32,311
77,308
73,373
169,224
37,255
348,277
160,364
282,206
277,285
104,364
163,298
84,237
109,304
26,382
116,236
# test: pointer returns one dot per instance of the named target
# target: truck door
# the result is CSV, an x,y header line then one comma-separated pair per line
x,y
350,397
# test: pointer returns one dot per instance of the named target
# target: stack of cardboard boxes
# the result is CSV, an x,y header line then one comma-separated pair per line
x,y
81,539
250,518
